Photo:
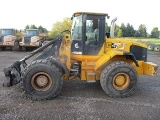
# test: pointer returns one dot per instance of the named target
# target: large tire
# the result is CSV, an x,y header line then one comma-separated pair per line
x,y
151,47
157,48
16,46
118,79
41,80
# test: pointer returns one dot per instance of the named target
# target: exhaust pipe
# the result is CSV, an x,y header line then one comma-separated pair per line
x,y
113,24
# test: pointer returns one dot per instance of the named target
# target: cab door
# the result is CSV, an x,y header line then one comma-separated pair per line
x,y
95,34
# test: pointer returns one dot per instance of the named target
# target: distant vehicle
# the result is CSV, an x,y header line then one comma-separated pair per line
x,y
10,38
32,39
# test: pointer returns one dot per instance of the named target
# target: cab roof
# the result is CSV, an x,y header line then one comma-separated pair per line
x,y
7,29
91,13
32,29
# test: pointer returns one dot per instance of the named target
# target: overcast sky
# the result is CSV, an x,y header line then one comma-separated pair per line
x,y
19,13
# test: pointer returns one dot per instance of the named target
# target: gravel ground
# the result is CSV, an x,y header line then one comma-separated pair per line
x,y
80,100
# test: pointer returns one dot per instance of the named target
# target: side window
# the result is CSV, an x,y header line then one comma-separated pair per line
x,y
77,35
77,29
92,32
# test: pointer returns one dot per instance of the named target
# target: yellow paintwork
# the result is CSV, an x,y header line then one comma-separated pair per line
x,y
85,57
79,13
121,81
106,57
65,51
102,61
149,68
138,69
92,65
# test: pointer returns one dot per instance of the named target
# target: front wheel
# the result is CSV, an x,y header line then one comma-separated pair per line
x,y
118,79
42,80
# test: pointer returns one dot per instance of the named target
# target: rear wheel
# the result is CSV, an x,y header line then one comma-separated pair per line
x,y
42,80
118,79
16,46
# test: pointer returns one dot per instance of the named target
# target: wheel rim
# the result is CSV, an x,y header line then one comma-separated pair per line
x,y
41,81
121,81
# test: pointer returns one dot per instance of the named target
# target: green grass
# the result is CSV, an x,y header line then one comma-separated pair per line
x,y
145,40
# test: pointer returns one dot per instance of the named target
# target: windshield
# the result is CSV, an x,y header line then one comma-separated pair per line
x,y
6,31
76,31
31,32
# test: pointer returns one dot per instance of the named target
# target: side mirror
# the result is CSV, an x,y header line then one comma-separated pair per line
x,y
108,34
108,17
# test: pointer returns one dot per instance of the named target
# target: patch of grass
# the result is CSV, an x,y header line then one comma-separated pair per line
x,y
145,40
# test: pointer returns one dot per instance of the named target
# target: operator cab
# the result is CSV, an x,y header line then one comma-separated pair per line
x,y
8,32
31,32
87,33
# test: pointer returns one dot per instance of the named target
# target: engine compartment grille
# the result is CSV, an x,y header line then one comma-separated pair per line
x,y
27,40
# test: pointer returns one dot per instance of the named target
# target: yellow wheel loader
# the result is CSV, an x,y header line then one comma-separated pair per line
x,y
32,39
87,52
10,38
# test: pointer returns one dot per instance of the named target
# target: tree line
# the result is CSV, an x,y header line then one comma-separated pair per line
x,y
40,28
120,31
129,31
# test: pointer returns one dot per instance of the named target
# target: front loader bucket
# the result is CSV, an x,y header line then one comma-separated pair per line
x,y
12,74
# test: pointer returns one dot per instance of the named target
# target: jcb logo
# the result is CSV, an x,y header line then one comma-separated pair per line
x,y
76,45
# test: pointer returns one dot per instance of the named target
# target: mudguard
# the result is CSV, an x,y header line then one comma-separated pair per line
x,y
110,54
59,64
